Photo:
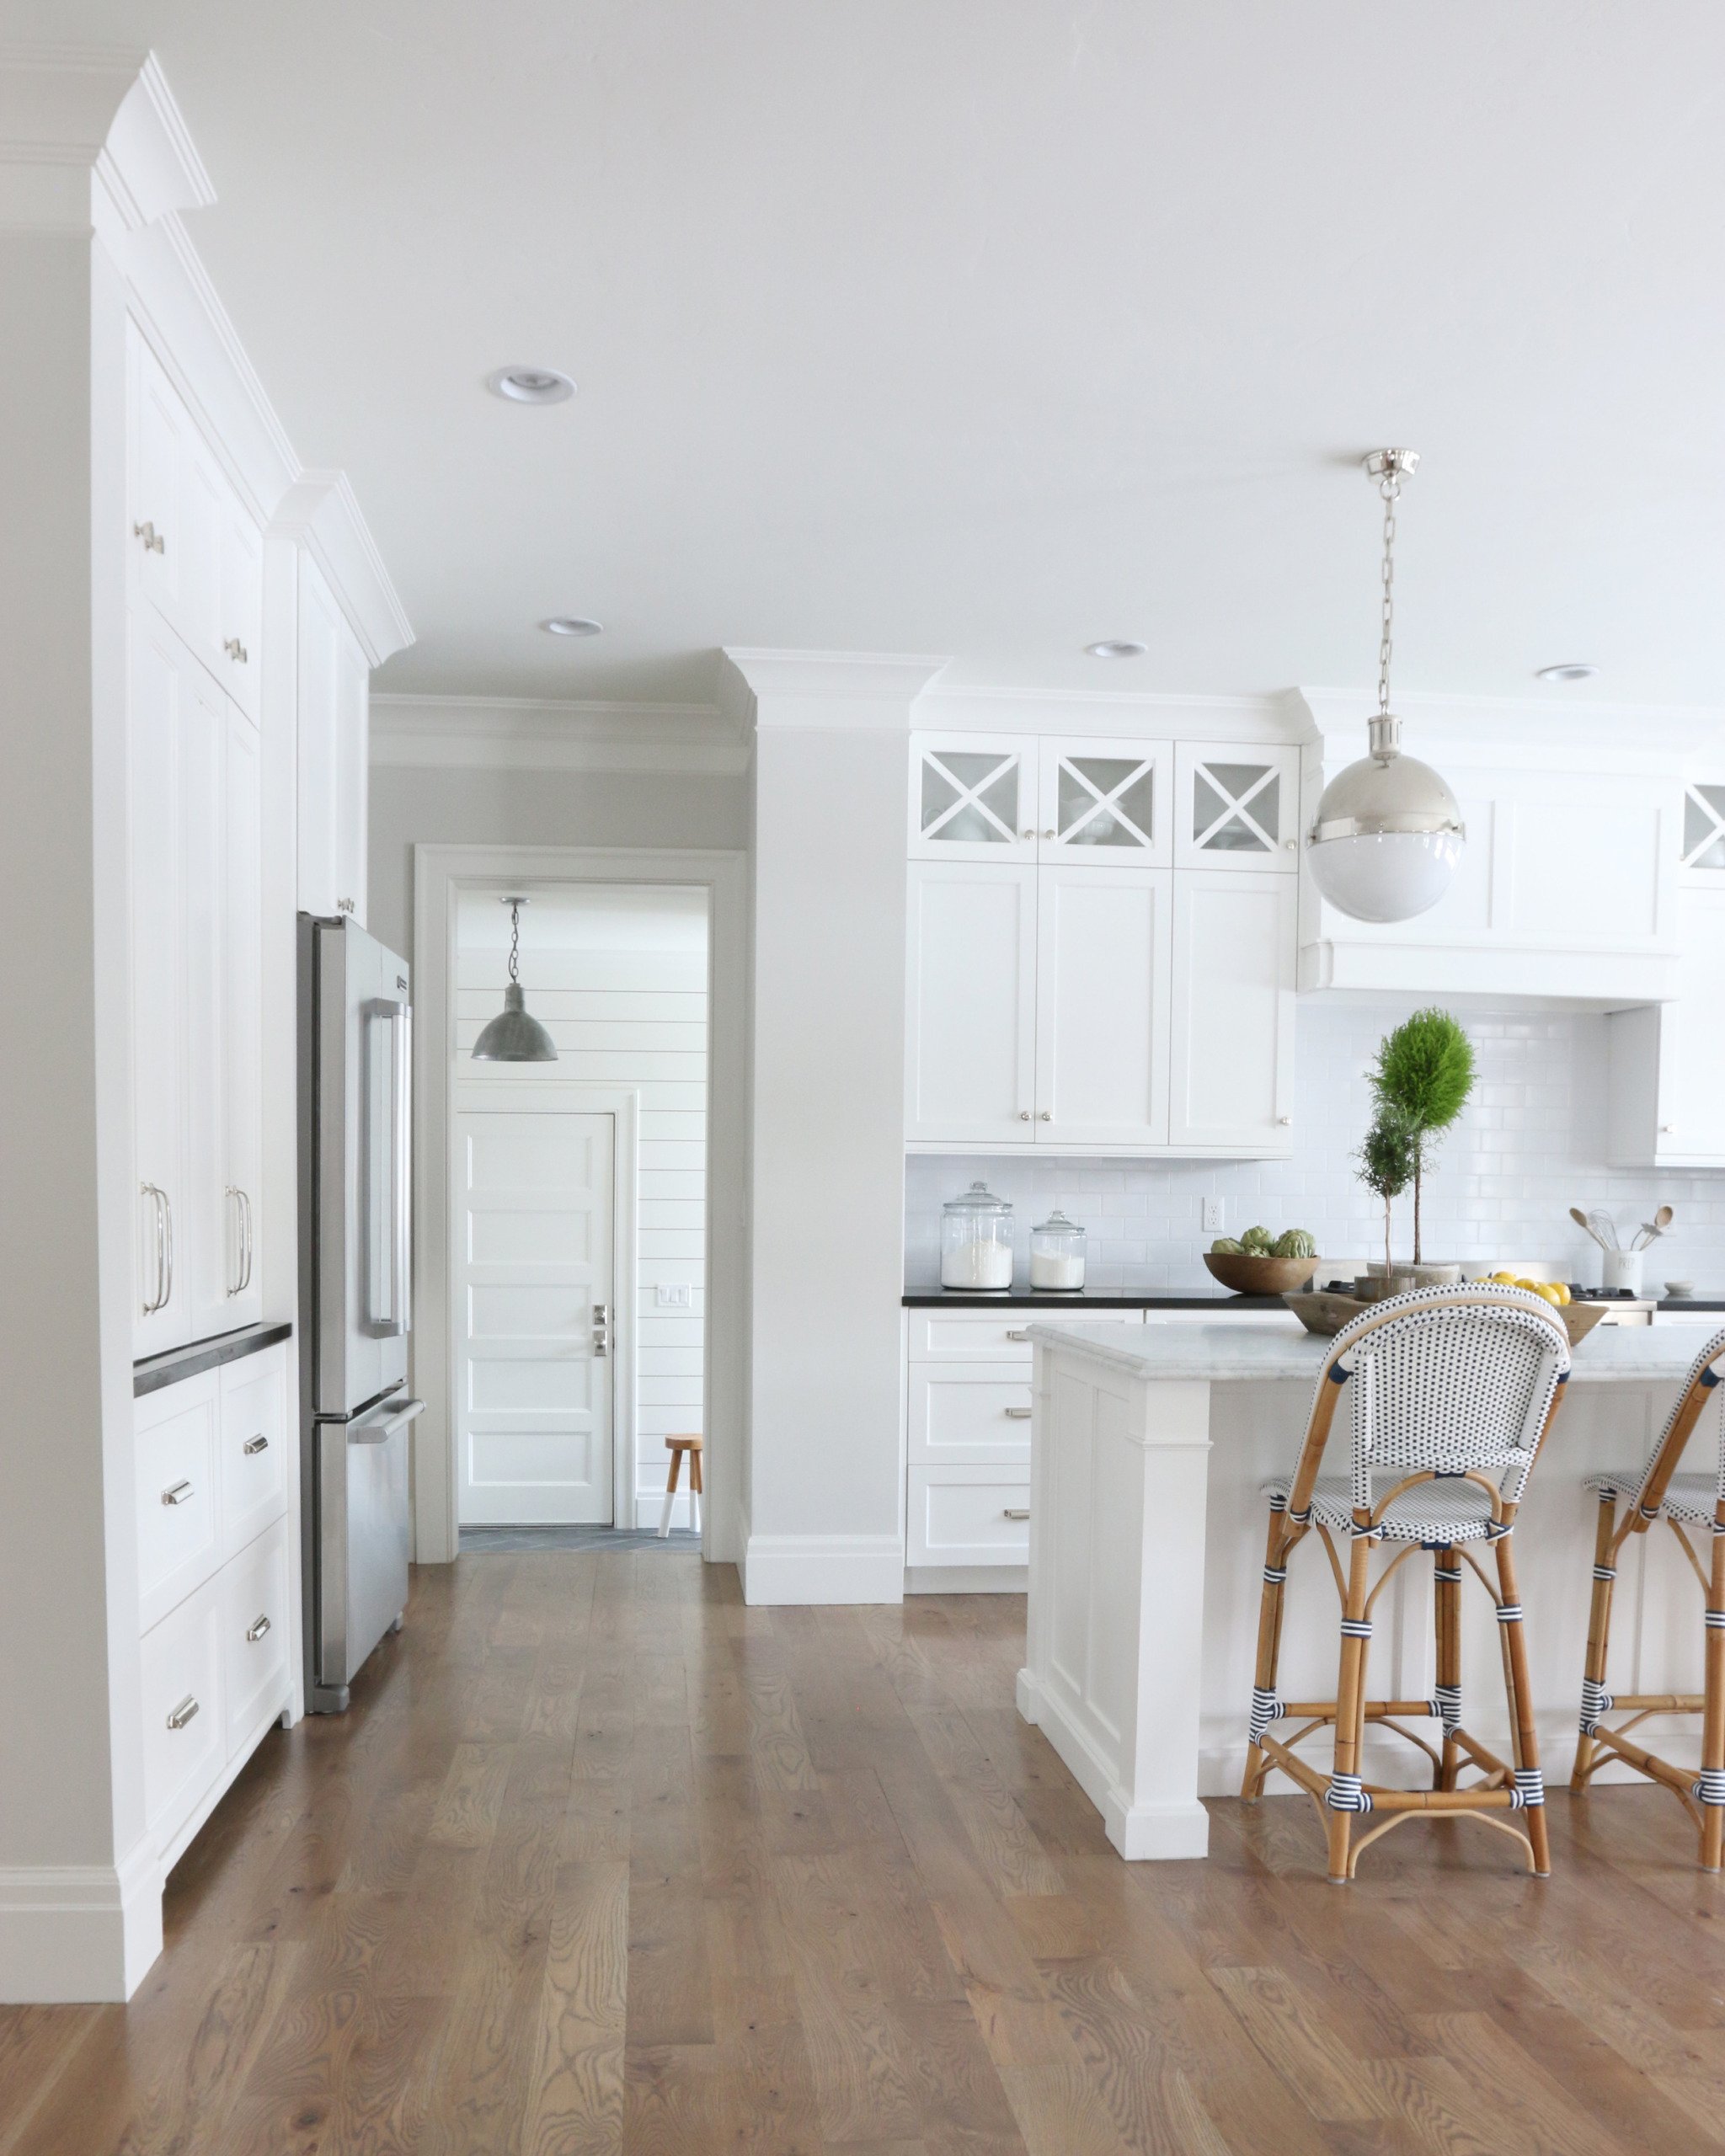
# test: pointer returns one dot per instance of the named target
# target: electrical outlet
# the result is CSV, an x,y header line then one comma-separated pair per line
x,y
674,1297
1215,1215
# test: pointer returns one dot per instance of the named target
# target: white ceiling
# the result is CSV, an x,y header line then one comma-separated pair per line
x,y
989,326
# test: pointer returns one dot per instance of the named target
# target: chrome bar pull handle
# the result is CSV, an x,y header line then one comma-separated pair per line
x,y
256,1629
1020,1414
239,1242
245,1206
177,1494
167,1224
1016,1512
254,1446
182,1713
159,1294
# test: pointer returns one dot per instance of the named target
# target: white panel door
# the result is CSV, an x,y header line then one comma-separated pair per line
x,y
241,1019
1104,955
1232,1060
240,666
204,1238
970,1020
535,1296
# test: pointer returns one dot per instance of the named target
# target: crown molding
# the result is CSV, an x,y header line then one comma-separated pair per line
x,y
1278,717
522,733
825,689
1514,733
90,135
321,511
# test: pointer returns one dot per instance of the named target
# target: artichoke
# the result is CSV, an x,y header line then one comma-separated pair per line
x,y
1257,1242
1293,1243
1226,1246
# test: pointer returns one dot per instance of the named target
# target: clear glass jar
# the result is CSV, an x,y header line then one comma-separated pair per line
x,y
976,1241
1057,1254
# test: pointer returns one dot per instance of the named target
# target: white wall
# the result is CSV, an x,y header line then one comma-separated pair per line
x,y
1528,1146
618,977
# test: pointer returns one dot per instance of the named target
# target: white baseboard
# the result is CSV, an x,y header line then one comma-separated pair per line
x,y
79,1933
967,1579
800,1569
1141,1833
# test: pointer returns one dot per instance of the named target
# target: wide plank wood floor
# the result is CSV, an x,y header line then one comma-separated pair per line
x,y
603,1860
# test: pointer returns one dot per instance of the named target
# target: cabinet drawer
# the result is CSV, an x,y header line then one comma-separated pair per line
x,y
253,1447
978,1411
185,1735
178,1511
256,1632
968,1516
992,1335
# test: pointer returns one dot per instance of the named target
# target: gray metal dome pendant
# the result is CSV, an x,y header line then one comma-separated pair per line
x,y
514,1035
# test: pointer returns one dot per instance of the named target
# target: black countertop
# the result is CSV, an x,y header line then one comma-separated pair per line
x,y
929,1294
175,1364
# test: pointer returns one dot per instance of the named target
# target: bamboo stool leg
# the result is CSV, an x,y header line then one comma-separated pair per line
x,y
1350,1710
1599,1639
1269,1641
1446,1610
1713,1716
670,1492
1526,1739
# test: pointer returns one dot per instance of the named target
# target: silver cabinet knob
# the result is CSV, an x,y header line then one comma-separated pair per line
x,y
235,650
1027,835
1666,1130
1284,1120
1024,1115
1017,1336
343,905
1048,835
182,1713
256,1629
154,543
1048,1115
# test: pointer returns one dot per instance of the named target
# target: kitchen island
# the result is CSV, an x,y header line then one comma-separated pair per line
x,y
1148,1446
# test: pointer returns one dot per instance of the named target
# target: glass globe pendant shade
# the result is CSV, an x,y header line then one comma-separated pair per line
x,y
515,1035
1387,835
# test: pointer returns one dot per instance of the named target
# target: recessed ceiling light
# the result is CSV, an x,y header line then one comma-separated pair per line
x,y
1571,670
571,625
1116,648
529,384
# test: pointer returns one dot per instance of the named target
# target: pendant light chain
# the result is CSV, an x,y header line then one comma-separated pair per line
x,y
515,943
1390,486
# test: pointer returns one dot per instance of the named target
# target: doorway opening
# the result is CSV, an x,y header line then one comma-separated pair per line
x,y
578,1214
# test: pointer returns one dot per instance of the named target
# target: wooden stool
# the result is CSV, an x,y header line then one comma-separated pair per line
x,y
1655,1492
677,1447
1451,1391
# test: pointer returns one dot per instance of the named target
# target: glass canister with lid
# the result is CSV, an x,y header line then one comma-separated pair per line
x,y
976,1241
1057,1251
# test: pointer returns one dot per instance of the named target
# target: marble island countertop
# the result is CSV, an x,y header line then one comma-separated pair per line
x,y
1225,1352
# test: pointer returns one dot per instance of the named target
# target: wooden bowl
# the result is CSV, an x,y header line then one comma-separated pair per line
x,y
1326,1314
1259,1276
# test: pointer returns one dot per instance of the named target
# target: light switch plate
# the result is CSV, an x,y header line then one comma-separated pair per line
x,y
1215,1215
673,1297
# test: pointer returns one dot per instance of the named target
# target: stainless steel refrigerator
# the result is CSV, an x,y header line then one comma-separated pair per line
x,y
355,1416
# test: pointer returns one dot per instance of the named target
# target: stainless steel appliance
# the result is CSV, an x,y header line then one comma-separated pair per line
x,y
356,1099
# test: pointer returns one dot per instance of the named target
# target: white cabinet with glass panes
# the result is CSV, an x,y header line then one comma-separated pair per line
x,y
1238,806
978,797
1667,1097
973,798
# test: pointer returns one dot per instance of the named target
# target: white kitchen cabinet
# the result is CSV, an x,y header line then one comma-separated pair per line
x,y
968,1516
1108,803
1666,1059
1232,1081
197,1080
334,712
1104,964
240,625
973,798
970,1044
1237,807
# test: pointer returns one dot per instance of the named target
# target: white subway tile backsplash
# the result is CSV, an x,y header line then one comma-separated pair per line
x,y
1529,1147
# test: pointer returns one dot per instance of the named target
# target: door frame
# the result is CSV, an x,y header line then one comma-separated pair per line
x,y
523,1095
440,874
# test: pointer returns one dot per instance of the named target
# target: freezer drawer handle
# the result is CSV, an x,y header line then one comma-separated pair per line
x,y
177,1495
379,1434
1016,1512
182,1713
1020,1414
255,1445
256,1629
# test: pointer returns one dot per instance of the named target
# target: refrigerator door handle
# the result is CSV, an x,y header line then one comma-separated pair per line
x,y
368,1433
387,1240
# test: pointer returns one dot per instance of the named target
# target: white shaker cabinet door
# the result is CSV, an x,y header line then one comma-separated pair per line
x,y
156,690
202,1238
239,627
334,692
242,1218
1104,955
1232,1064
970,1020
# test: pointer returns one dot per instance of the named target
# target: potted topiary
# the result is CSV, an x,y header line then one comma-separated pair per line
x,y
1387,1158
1422,1078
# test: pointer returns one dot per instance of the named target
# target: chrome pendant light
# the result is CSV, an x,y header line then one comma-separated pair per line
x,y
1388,832
513,1036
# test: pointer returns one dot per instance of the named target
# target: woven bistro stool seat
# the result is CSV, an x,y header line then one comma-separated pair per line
x,y
1660,1491
1447,1511
1450,1392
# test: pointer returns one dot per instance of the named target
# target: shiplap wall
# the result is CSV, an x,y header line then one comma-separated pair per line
x,y
633,1016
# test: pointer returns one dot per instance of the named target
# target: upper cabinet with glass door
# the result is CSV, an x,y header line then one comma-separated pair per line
x,y
973,798
1238,806
1703,861
977,797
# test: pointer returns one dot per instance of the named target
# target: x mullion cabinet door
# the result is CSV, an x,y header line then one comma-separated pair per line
x,y
1104,940
1107,804
1237,807
970,1014
973,798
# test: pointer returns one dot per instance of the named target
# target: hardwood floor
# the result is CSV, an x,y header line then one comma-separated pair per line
x,y
602,1861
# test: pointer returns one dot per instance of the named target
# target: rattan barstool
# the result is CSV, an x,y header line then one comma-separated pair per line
x,y
1451,1392
1653,1493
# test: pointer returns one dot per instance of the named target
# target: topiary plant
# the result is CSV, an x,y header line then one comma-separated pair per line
x,y
1387,1160
1423,1075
